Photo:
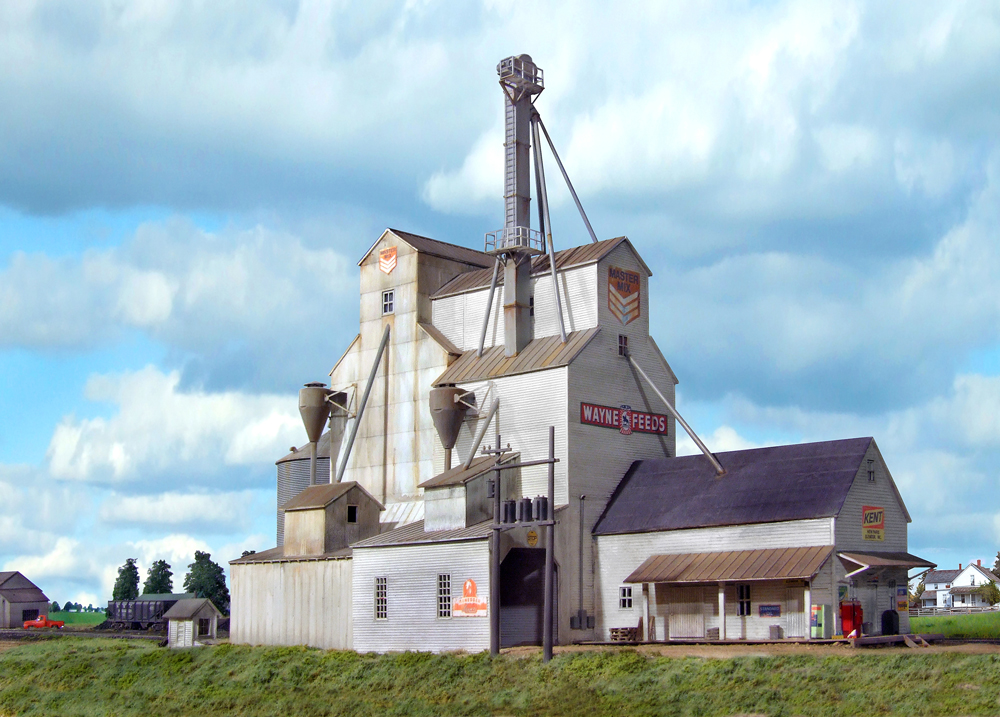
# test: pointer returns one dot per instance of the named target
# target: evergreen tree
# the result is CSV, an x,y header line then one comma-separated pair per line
x,y
158,579
55,606
127,584
996,565
206,579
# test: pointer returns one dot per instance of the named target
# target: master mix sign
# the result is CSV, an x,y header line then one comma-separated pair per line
x,y
623,294
872,523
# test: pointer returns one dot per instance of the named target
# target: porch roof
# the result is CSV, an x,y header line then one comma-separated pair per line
x,y
732,565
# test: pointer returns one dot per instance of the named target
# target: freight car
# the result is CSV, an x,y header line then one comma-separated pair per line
x,y
143,613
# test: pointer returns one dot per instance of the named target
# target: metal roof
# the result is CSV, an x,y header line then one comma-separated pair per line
x,y
459,475
941,576
443,341
741,565
414,533
302,453
761,485
539,354
426,245
189,608
277,555
22,595
322,494
566,258
886,560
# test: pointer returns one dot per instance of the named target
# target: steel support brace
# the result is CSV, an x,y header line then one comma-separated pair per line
x,y
364,402
546,221
489,308
482,433
569,184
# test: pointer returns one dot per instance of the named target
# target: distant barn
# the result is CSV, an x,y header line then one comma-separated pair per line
x,y
20,600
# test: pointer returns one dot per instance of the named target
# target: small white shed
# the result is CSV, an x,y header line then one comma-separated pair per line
x,y
189,620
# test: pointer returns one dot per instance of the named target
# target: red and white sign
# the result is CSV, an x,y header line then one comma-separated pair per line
x,y
623,419
470,604
387,260
623,293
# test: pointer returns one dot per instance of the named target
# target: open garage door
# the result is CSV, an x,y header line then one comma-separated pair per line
x,y
522,597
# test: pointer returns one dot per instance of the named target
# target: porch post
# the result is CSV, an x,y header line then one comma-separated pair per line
x,y
722,611
808,606
645,612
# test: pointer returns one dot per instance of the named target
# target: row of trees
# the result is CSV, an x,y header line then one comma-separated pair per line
x,y
69,606
205,578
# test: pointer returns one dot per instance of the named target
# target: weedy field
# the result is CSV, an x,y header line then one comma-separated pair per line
x,y
79,618
977,625
79,676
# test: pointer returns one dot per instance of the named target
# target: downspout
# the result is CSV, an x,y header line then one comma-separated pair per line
x,y
364,402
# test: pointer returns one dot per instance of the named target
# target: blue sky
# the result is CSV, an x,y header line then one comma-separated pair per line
x,y
185,190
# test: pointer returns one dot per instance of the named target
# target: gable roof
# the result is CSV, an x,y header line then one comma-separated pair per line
x,y
322,494
565,259
762,485
187,609
426,245
15,588
539,354
166,597
941,576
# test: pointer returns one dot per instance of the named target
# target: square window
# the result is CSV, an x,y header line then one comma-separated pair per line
x,y
743,600
381,599
444,595
622,345
352,514
388,301
625,597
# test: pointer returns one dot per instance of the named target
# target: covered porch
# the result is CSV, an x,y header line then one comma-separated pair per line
x,y
763,594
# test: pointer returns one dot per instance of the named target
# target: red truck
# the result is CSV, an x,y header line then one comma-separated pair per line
x,y
43,621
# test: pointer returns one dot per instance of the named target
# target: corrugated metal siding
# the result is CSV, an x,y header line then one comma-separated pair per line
x,y
292,603
412,622
866,493
577,289
293,478
619,555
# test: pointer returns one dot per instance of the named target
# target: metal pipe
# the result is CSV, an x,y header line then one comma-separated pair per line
x,y
546,222
569,184
548,615
581,613
447,459
495,559
482,432
364,402
677,417
489,308
312,463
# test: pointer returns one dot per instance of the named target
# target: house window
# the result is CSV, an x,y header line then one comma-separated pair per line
x,y
973,577
622,345
204,626
388,301
352,514
625,597
871,470
743,600
444,595
381,599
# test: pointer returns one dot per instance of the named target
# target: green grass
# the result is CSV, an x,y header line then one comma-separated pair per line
x,y
979,624
78,618
79,676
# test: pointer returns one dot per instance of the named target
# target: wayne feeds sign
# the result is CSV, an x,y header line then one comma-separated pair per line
x,y
872,523
623,419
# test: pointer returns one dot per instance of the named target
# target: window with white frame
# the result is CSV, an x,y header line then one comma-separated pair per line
x,y
444,595
625,597
743,599
381,599
388,301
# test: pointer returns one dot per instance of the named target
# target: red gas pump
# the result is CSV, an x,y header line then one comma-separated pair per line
x,y
851,615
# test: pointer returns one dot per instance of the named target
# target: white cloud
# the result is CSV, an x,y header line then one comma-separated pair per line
x,y
213,512
160,428
723,438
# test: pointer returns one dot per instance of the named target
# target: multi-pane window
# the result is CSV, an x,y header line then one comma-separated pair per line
x,y
743,599
625,597
622,345
381,599
388,301
444,595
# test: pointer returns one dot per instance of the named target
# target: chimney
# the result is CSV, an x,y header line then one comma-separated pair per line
x,y
517,243
979,563
959,566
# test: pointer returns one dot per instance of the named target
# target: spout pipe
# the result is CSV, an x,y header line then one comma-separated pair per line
x,y
361,407
489,308
482,432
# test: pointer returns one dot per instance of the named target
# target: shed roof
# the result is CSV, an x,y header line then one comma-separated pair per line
x,y
414,533
566,258
322,494
277,555
460,475
443,341
744,565
444,250
965,589
22,595
882,559
187,609
539,354
762,485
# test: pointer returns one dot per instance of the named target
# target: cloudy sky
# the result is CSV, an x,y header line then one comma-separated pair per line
x,y
185,189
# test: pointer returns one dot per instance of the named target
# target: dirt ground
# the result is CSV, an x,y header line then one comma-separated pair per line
x,y
8,645
727,650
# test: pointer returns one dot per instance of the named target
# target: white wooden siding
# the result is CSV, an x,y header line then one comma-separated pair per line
x,y
292,603
411,572
868,493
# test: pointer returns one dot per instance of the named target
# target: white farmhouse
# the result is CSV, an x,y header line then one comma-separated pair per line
x,y
956,588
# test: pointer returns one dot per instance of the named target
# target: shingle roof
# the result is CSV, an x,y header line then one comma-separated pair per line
x,y
941,576
426,245
566,258
539,354
413,533
762,485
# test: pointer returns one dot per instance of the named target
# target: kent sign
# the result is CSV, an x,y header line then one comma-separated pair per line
x,y
872,523
623,419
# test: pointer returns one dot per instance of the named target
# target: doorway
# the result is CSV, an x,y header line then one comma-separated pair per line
x,y
522,597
